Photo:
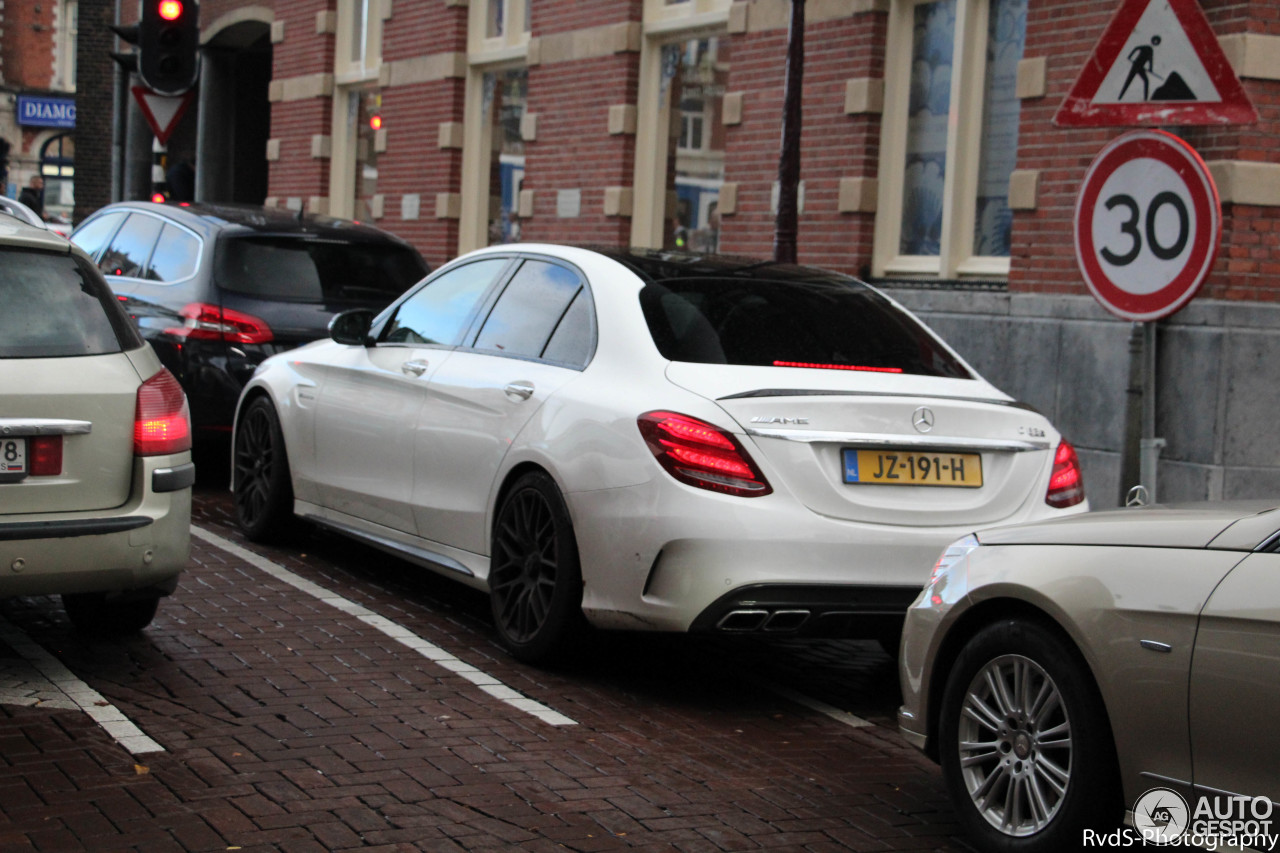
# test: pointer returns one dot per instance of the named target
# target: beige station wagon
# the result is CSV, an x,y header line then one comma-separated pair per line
x,y
95,438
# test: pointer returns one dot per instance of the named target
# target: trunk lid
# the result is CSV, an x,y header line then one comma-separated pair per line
x,y
91,401
813,428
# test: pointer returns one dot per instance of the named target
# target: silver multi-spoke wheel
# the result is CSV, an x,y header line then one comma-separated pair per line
x,y
1014,745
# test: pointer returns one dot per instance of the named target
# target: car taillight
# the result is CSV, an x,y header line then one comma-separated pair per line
x,y
46,455
202,321
162,423
1066,485
702,455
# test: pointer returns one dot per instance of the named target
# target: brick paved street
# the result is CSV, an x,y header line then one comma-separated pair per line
x,y
395,722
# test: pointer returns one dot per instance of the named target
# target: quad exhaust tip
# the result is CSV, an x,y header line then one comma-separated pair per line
x,y
776,621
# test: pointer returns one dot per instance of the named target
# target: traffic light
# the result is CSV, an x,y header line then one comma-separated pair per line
x,y
168,43
128,33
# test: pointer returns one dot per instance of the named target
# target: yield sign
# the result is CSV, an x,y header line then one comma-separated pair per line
x,y
162,112
1157,63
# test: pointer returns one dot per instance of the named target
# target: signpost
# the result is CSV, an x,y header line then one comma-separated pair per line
x,y
1148,218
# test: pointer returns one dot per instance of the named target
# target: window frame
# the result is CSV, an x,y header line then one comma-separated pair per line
x,y
664,24
963,154
352,78
508,52
504,281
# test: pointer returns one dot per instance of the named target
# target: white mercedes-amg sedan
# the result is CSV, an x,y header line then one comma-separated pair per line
x,y
647,440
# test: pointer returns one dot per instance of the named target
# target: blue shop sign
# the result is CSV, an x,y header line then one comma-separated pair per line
x,y
37,111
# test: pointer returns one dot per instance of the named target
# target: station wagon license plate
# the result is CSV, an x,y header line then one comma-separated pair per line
x,y
902,467
13,458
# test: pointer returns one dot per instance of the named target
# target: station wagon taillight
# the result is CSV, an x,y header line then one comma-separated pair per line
x,y
46,455
702,455
1066,485
203,321
162,423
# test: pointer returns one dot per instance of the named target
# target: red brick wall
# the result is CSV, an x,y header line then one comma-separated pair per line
x,y
574,149
26,48
412,115
834,145
304,51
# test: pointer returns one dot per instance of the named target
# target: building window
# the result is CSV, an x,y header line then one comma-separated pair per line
x,y
680,157
505,93
357,104
950,137
68,25
493,163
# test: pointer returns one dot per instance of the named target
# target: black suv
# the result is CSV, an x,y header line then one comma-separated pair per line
x,y
218,288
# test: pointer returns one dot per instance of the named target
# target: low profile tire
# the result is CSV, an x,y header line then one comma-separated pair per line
x,y
535,581
94,615
1025,744
263,491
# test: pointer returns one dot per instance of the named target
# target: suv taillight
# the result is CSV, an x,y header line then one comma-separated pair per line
x,y
702,455
162,422
1066,485
205,322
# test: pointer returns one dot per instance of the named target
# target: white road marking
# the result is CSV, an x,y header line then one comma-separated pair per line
x,y
821,707
77,693
393,630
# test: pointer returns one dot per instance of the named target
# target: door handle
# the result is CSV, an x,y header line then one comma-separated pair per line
x,y
523,390
415,367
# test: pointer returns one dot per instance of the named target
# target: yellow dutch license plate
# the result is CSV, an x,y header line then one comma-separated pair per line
x,y
913,468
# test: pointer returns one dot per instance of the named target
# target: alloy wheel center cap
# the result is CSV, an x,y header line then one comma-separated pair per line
x,y
1022,745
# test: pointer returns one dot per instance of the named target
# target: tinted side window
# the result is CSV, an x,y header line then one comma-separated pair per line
x,y
95,233
54,307
294,269
129,250
440,311
575,337
529,310
175,255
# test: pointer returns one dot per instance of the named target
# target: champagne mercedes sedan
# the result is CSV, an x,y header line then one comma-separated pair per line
x,y
647,440
1062,672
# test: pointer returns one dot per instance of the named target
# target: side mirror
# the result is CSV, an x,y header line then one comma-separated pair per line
x,y
352,327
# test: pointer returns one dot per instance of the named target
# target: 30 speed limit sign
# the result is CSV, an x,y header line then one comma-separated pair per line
x,y
1148,224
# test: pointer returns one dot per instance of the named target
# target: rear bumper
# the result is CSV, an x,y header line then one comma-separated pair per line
x,y
143,544
809,611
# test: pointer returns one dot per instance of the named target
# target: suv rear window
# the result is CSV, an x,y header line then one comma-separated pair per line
x,y
805,322
315,270
55,307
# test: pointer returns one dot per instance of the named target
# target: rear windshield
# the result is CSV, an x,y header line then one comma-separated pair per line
x,y
834,324
316,270
54,306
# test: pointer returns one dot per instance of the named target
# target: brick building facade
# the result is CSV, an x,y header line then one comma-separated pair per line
x,y
931,164
37,107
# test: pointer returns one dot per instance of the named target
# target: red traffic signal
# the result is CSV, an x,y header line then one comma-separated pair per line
x,y
168,42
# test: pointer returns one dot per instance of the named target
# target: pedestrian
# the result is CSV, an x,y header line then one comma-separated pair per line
x,y
32,195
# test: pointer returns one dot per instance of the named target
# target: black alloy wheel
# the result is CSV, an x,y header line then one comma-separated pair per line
x,y
263,491
535,581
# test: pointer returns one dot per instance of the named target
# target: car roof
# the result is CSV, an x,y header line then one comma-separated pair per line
x,y
17,232
210,217
655,265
